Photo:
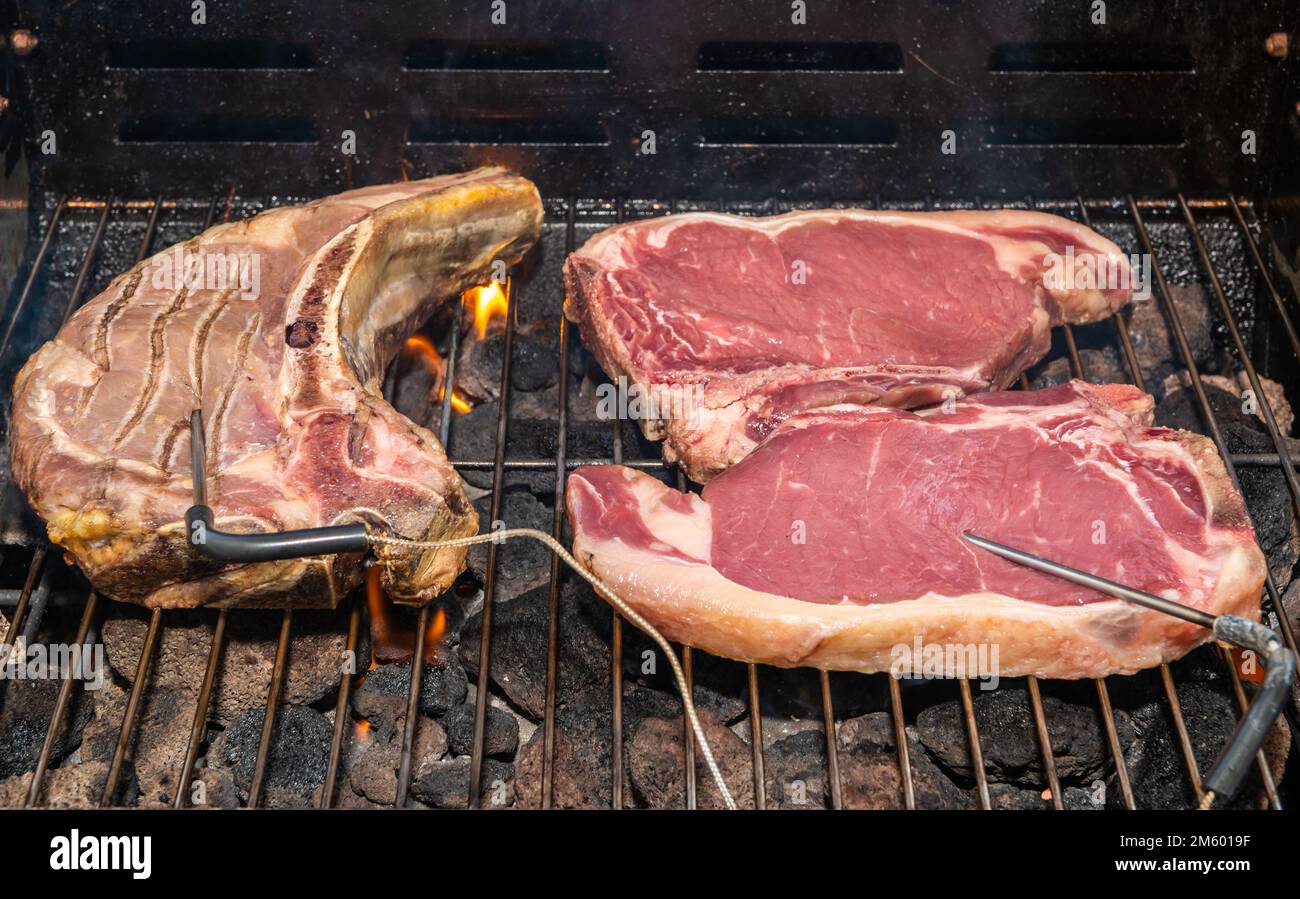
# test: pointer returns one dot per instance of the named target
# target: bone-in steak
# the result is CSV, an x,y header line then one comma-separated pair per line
x,y
838,539
285,358
766,317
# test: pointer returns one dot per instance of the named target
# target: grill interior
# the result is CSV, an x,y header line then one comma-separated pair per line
x,y
1207,249
164,126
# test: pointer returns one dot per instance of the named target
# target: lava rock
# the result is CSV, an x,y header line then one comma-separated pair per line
x,y
657,759
72,786
381,697
500,731
162,733
247,659
522,565
1009,740
1008,796
1155,763
518,659
1264,488
445,784
869,769
296,764
795,772
218,789
25,719
581,778
372,767
1153,342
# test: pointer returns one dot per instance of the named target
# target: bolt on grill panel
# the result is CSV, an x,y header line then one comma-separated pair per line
x,y
574,215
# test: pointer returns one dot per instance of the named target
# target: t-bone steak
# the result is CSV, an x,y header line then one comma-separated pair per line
x,y
731,323
285,359
838,540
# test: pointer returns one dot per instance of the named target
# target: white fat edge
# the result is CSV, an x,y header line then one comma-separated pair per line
x,y
691,533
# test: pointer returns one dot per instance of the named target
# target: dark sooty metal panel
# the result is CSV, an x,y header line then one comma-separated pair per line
x,y
852,100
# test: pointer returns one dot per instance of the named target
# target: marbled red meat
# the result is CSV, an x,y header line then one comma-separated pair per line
x,y
839,537
770,317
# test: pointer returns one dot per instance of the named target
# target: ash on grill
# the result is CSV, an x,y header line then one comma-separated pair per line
x,y
549,741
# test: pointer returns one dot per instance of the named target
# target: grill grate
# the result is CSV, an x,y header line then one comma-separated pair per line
x,y
1132,213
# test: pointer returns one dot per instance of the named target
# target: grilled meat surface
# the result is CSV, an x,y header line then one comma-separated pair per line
x,y
279,329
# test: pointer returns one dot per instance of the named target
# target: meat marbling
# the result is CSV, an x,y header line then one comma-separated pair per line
x,y
838,539
288,377
750,320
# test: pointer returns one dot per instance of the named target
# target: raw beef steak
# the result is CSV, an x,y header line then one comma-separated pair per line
x,y
736,323
838,539
282,343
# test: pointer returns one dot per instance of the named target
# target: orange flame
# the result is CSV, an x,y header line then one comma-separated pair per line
x,y
485,303
423,347
392,639
363,731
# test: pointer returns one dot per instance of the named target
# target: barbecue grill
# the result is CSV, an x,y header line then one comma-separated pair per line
x,y
1168,127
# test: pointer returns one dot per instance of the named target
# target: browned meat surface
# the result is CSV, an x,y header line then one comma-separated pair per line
x,y
286,365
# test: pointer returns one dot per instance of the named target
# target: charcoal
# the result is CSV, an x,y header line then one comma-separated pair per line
x,y
445,784
656,757
295,765
500,731
1009,740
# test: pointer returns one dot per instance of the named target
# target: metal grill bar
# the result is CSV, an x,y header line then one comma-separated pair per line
x,y
60,707
616,620
832,747
557,527
900,742
37,264
489,575
34,572
688,736
413,707
976,751
1116,751
1166,676
1261,762
272,705
756,738
561,464
132,709
199,725
341,706
1249,239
